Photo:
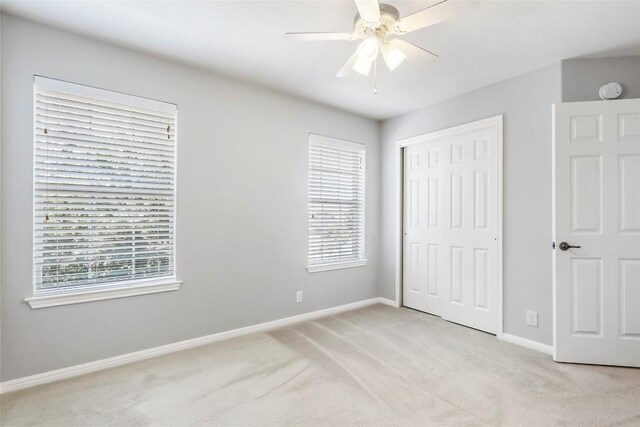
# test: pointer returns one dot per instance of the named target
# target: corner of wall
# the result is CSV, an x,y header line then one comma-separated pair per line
x,y
380,225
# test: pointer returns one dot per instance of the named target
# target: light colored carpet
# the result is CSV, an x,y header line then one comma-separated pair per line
x,y
374,366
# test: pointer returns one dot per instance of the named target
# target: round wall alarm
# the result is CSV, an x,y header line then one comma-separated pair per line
x,y
610,91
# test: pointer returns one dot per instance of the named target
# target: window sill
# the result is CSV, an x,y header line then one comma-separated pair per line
x,y
336,266
57,298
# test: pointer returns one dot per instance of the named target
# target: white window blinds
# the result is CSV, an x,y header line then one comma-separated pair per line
x,y
104,188
336,201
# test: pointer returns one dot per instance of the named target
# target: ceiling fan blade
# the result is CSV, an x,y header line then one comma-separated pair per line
x,y
347,68
412,51
320,36
434,14
369,10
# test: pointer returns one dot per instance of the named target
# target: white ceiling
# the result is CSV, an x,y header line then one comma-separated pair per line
x,y
490,41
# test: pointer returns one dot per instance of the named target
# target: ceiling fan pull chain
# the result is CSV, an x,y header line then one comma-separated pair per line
x,y
375,77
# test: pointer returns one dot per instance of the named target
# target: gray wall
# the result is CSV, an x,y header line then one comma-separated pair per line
x,y
582,78
242,206
526,103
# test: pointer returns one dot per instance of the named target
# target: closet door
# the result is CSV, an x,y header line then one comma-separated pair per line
x,y
471,237
422,235
451,224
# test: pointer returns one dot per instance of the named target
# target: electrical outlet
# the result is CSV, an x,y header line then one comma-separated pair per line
x,y
299,296
532,318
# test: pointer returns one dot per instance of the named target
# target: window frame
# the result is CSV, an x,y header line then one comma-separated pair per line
x,y
341,144
117,289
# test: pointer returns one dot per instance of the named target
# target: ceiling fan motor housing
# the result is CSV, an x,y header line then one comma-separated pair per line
x,y
389,15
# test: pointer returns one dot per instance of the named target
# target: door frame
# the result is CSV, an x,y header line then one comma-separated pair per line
x,y
496,121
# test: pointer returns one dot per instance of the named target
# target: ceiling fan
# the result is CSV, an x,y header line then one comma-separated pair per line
x,y
377,25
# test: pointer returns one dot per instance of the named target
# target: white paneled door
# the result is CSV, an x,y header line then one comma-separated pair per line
x,y
451,223
597,232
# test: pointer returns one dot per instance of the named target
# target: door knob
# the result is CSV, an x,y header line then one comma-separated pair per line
x,y
564,246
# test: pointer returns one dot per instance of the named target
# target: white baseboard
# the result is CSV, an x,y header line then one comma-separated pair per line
x,y
387,301
533,345
111,362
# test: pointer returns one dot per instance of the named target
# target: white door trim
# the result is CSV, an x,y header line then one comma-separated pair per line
x,y
427,137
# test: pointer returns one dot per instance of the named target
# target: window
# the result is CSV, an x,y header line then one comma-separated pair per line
x,y
104,190
336,204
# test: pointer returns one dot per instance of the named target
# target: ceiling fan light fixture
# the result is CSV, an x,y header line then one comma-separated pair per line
x,y
392,55
369,48
367,53
362,66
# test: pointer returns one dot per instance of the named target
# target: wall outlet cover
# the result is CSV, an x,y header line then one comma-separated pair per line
x,y
299,296
532,318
